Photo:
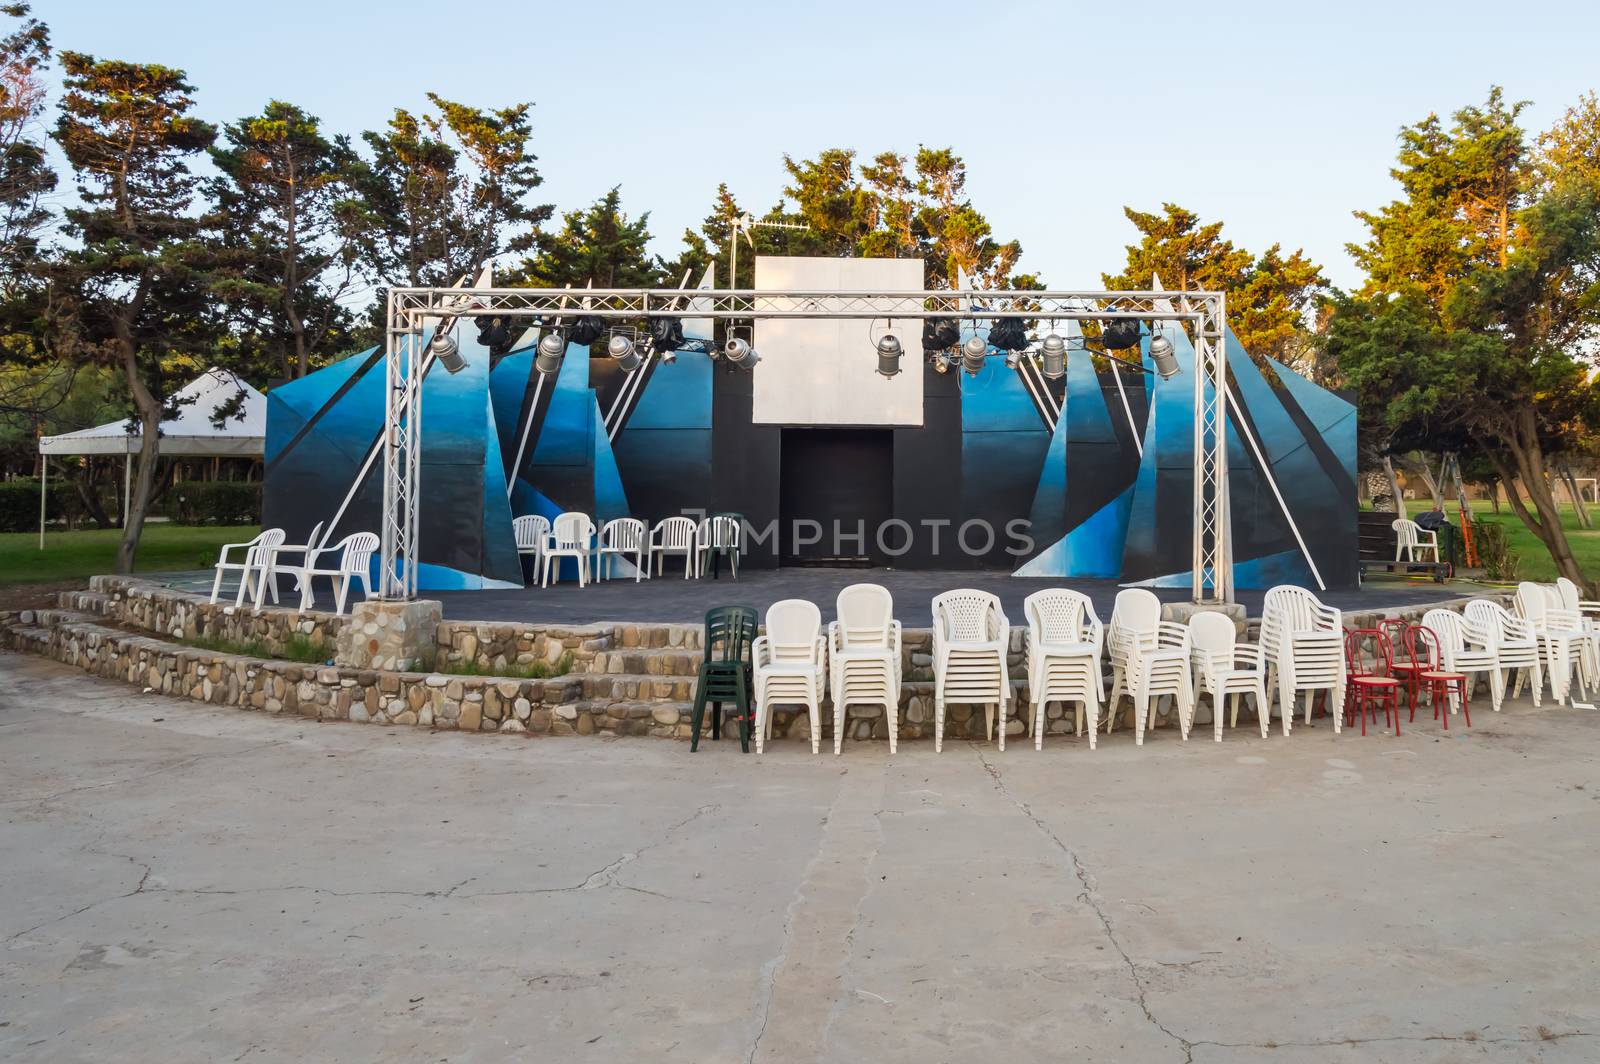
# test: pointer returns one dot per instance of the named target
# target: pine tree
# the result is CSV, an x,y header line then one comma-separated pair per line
x,y
288,210
136,279
599,244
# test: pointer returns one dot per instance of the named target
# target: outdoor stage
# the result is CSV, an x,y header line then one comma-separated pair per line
x,y
672,599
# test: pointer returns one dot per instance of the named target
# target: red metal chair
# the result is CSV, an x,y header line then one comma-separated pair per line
x,y
1366,685
1405,669
1425,648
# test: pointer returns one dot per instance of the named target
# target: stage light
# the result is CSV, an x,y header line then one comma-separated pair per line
x,y
739,352
1162,355
1120,334
621,351
889,352
1013,359
552,349
1054,355
939,334
942,361
668,357
974,353
448,353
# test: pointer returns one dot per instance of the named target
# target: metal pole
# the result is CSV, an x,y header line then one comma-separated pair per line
x,y
44,479
1212,575
127,485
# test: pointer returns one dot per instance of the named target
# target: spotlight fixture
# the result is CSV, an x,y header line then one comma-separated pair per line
x,y
973,355
447,352
942,361
1119,334
1054,354
1013,359
666,334
889,352
739,352
552,349
668,357
939,334
494,333
1162,355
621,351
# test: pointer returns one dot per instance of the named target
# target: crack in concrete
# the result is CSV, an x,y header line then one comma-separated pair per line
x,y
1538,1036
139,888
174,767
1088,896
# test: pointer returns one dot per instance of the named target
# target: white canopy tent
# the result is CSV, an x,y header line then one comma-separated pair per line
x,y
190,434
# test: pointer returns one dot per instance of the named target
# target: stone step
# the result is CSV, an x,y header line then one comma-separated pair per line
x,y
623,717
643,687
655,661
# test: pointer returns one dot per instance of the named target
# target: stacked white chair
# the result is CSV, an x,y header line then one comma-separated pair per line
x,y
1585,614
571,536
354,554
622,537
1465,647
1562,640
1515,645
1149,658
864,657
272,562
257,553
674,535
531,531
1228,670
790,667
1063,646
719,533
1411,540
970,638
1302,642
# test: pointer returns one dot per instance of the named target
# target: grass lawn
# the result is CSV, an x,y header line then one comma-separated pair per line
x,y
1536,563
80,555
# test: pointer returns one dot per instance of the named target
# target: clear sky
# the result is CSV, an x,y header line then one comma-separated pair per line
x,y
1278,118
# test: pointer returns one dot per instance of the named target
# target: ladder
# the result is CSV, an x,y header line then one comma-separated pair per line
x,y
1470,548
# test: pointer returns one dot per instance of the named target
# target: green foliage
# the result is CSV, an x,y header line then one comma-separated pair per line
x,y
1500,563
599,244
79,555
298,648
214,502
1270,297
538,670
296,233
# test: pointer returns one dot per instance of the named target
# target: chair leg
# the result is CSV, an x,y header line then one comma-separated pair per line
x,y
216,584
1141,705
1037,721
938,724
698,717
341,587
839,709
990,711
891,713
1092,708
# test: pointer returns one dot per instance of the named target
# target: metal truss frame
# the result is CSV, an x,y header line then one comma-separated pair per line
x,y
411,310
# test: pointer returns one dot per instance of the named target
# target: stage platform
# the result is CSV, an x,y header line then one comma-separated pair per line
x,y
671,599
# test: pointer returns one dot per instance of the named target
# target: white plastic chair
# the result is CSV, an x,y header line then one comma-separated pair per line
x,y
1149,658
674,535
1302,642
273,563
1466,648
790,666
1562,640
1412,539
1585,613
718,534
256,554
571,536
970,638
1062,648
531,531
620,538
354,554
1227,670
1515,645
864,657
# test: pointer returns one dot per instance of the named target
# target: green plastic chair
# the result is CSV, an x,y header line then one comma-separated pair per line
x,y
725,671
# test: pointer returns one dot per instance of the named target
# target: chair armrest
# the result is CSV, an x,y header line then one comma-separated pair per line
x,y
222,553
1096,634
759,650
1172,634
1561,617
1245,652
1330,618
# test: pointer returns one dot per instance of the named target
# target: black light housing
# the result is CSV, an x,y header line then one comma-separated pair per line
x,y
940,334
1119,334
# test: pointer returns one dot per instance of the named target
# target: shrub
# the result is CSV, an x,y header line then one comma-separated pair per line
x,y
214,502
1500,562
19,505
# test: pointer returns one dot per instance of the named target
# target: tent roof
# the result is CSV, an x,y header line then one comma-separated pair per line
x,y
190,433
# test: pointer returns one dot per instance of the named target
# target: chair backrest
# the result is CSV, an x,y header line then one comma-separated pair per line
x,y
623,533
1497,623
1214,633
793,626
1056,615
572,529
866,616
1290,609
531,529
675,532
1447,629
257,550
1531,602
1406,531
1567,591
729,631
355,551
1381,658
1137,611
315,539
721,531
967,615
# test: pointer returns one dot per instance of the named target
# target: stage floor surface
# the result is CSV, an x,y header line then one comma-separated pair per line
x,y
672,599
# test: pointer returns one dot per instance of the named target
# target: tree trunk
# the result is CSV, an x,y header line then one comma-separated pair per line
x,y
84,485
1578,508
144,479
1522,443
1494,494
1394,487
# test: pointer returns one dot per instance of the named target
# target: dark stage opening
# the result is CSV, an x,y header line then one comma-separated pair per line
x,y
836,490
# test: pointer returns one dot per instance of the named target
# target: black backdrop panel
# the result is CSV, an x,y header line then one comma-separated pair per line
x,y
837,492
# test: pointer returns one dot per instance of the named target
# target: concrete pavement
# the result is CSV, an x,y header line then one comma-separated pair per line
x,y
180,883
